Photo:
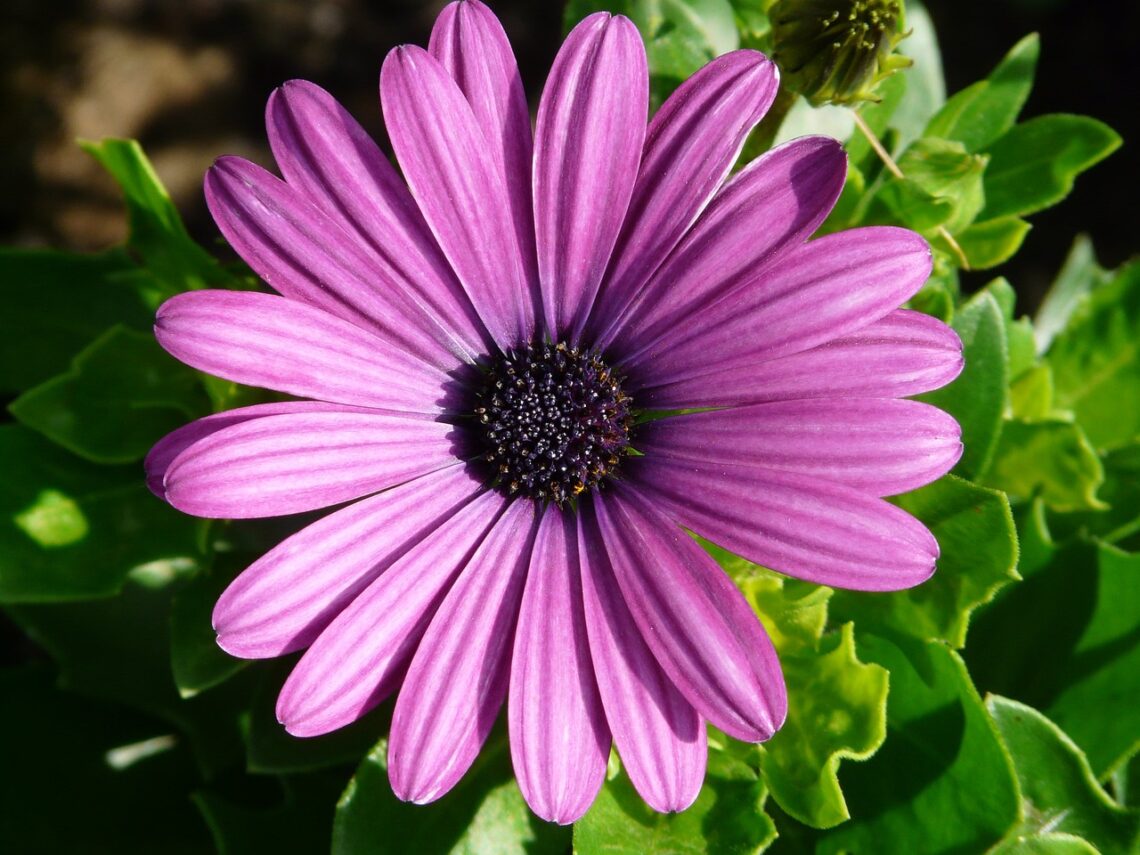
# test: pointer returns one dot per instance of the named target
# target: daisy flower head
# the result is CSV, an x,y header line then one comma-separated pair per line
x,y
476,344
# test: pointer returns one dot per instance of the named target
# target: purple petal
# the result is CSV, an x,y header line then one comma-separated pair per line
x,y
700,628
904,353
288,346
283,601
878,445
690,147
160,457
470,43
778,201
591,126
560,743
660,737
795,524
327,155
458,678
305,255
822,290
297,462
460,187
361,657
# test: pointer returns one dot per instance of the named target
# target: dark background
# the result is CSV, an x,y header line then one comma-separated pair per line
x,y
189,79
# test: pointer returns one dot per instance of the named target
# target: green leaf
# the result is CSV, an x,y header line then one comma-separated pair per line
x,y
196,660
485,812
1079,275
1096,361
1034,164
836,703
115,649
680,35
1031,394
728,815
983,112
943,186
1018,331
86,776
925,89
56,303
1067,641
793,612
157,235
122,394
70,530
1097,704
992,242
942,781
836,709
1052,459
978,543
1050,843
297,818
1058,790
977,397
752,23
1119,523
270,749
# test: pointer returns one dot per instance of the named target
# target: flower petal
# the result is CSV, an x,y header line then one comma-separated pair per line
x,y
695,620
690,146
458,678
288,346
661,739
305,255
283,601
328,156
776,202
825,533
819,291
560,743
470,43
878,445
297,462
361,656
902,354
160,457
459,185
591,127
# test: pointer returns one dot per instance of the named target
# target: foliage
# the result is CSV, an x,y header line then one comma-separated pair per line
x,y
993,708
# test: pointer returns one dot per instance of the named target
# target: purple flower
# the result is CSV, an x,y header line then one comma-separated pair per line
x,y
476,351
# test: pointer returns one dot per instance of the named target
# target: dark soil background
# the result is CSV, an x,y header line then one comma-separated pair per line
x,y
189,78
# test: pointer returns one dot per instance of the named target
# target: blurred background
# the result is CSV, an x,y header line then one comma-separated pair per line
x,y
189,79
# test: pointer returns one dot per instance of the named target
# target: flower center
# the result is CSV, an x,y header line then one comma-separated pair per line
x,y
553,421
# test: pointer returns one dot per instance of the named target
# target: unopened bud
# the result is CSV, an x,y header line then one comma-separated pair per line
x,y
837,51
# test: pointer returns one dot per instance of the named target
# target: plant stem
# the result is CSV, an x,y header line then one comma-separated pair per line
x,y
894,169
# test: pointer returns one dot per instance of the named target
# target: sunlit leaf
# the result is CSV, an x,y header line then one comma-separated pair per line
x,y
1034,164
1058,790
485,812
977,398
1051,459
978,544
70,530
836,710
158,238
122,394
942,782
728,816
1067,641
985,110
1096,361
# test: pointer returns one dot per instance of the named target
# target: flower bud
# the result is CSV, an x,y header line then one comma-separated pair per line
x,y
837,51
